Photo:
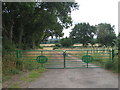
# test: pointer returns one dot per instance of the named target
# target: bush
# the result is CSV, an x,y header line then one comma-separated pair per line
x,y
40,47
109,65
19,64
66,42
57,45
55,48
14,71
8,62
7,44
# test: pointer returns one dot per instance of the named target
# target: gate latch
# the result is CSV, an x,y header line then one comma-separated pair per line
x,y
64,53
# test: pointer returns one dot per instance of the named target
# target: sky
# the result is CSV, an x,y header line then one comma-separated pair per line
x,y
95,12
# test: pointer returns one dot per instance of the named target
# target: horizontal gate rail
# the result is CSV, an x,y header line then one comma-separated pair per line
x,y
56,58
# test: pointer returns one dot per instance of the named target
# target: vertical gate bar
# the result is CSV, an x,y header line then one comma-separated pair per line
x,y
87,59
64,54
17,53
17,57
41,53
87,65
64,61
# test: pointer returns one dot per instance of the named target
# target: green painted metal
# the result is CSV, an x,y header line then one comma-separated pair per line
x,y
42,59
59,59
87,58
17,54
64,55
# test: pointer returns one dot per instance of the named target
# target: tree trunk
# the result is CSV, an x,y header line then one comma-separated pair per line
x,y
11,31
37,43
20,36
33,44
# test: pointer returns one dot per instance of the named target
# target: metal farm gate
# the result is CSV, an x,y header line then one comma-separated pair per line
x,y
59,59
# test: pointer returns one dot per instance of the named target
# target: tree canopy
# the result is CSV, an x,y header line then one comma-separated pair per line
x,y
66,42
26,24
105,34
83,33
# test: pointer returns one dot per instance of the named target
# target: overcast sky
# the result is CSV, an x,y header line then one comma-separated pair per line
x,y
95,12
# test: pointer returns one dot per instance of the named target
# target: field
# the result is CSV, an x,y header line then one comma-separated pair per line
x,y
51,45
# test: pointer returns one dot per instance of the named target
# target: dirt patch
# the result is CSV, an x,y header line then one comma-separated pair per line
x,y
16,80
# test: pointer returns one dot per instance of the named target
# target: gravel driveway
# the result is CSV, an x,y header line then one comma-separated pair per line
x,y
76,78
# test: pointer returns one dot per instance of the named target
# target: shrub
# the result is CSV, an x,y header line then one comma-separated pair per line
x,y
55,48
66,42
57,45
19,64
8,62
109,65
14,71
7,44
40,47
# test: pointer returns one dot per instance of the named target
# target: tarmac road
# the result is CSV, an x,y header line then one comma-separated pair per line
x,y
76,78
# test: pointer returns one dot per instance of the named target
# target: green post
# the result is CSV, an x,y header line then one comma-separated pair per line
x,y
64,61
87,59
64,54
17,58
17,54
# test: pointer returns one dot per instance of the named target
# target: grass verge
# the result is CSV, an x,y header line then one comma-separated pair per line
x,y
33,75
16,85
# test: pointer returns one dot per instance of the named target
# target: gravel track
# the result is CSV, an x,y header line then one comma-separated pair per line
x,y
76,78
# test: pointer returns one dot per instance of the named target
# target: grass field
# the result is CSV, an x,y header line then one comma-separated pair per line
x,y
73,45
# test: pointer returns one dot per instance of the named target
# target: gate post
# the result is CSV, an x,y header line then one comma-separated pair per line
x,y
64,54
87,61
41,52
17,62
17,54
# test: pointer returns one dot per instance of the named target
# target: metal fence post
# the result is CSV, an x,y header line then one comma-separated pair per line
x,y
87,59
64,54
17,54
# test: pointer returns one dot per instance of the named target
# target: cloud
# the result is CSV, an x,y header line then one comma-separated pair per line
x,y
95,12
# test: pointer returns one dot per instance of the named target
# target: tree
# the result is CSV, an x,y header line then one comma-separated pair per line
x,y
82,33
105,34
30,23
15,17
118,41
93,41
66,42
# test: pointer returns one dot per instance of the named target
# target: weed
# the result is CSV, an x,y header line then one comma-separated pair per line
x,y
6,78
40,70
109,65
55,48
16,85
32,76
